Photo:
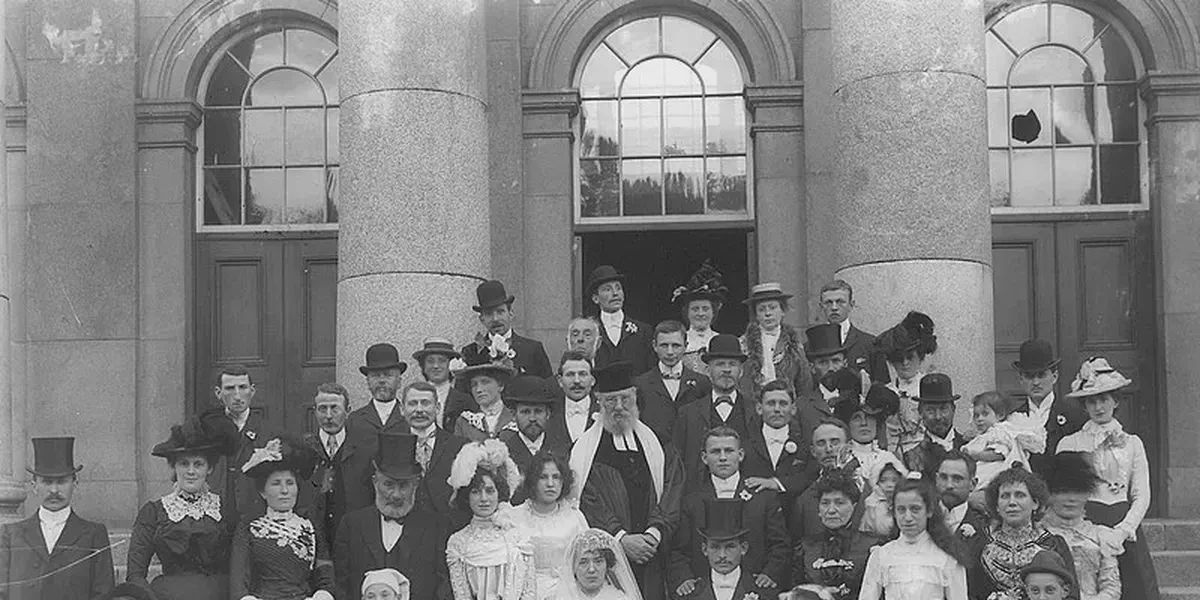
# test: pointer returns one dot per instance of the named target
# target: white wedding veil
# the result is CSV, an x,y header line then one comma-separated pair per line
x,y
620,583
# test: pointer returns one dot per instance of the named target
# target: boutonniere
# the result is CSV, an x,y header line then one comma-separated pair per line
x,y
1061,420
966,530
475,419
251,434
789,447
631,327
746,495
689,382
750,596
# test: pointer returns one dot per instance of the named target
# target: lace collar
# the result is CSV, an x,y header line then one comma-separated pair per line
x,y
180,504
288,530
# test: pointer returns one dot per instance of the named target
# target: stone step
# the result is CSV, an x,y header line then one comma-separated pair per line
x,y
1177,568
1180,593
1172,534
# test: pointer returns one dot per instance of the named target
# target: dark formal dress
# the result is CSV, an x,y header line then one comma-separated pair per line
x,y
658,408
420,553
858,345
279,557
1008,550
804,520
770,547
456,402
927,455
80,566
795,468
529,356
433,494
834,558
696,418
191,536
238,493
636,346
1066,417
339,484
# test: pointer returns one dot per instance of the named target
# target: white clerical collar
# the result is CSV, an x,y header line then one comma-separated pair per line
x,y
338,437
729,580
54,517
613,318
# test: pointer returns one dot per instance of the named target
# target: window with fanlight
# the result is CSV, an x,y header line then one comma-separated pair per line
x,y
663,125
269,138
1063,110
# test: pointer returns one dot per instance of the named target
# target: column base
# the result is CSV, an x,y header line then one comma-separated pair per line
x,y
12,497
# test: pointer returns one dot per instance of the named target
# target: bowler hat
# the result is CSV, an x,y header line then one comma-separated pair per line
x,y
1049,561
382,356
766,291
528,389
723,345
1034,356
723,520
615,377
823,340
936,388
491,294
601,275
397,456
54,457
435,345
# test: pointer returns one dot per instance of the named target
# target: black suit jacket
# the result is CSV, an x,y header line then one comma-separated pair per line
x,y
457,401
803,519
520,454
858,347
928,455
762,516
420,553
227,480
80,567
340,484
433,495
636,346
793,469
973,534
530,358
692,424
746,585
558,420
658,409
1066,417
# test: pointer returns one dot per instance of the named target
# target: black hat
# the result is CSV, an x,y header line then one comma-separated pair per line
x,y
723,519
397,456
1071,472
54,457
705,284
936,388
1049,561
615,377
846,383
129,589
435,345
283,452
766,291
823,340
880,403
383,356
491,294
210,432
601,275
528,389
1034,356
913,333
480,361
723,345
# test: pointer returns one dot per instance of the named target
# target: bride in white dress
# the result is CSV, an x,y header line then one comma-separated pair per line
x,y
547,519
595,568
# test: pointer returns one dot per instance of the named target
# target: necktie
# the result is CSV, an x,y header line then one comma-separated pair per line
x,y
423,454
724,400
331,446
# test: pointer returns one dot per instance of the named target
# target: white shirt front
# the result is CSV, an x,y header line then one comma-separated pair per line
x,y
776,439
384,410
769,339
427,436
533,445
676,374
946,443
724,409
576,414
612,323
725,585
726,488
52,523
844,327
239,420
955,516
1041,414
391,531
443,394
338,439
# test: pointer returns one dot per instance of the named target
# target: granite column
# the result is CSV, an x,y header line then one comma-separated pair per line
x,y
12,493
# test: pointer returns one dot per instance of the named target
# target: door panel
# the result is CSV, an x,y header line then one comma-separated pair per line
x,y
1024,291
310,280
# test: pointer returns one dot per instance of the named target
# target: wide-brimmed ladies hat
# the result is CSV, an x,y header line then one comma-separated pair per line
x,y
762,292
210,432
1097,377
480,362
705,284
281,453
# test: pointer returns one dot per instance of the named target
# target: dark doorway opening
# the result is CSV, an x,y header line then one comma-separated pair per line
x,y
657,262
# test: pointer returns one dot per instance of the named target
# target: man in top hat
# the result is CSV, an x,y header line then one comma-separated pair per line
x,y
383,372
341,482
631,483
727,404
725,546
498,338
936,407
436,447
621,338
577,408
769,556
54,553
827,358
235,390
663,390
775,349
393,533
486,379
1037,369
837,302
434,359
531,399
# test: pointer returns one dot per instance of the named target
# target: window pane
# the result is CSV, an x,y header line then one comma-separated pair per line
x,y
1025,128
1024,28
641,128
1074,177
1120,175
1032,179
726,123
1117,110
331,124
720,71
684,38
641,184
683,119
227,83
999,59
329,80
260,53
599,128
997,117
305,136
1073,27
636,40
684,178
222,196
602,74
306,195
264,196
285,87
727,185
333,194
661,76
308,50
598,188
1050,65
1111,59
222,136
1073,117
264,137
998,170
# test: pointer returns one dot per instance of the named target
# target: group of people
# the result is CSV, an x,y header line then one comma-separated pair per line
x,y
665,461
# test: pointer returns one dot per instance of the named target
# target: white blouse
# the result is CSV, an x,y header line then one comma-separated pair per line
x,y
1120,460
913,569
549,536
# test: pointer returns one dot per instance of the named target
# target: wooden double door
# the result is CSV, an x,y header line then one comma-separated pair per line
x,y
1088,288
270,305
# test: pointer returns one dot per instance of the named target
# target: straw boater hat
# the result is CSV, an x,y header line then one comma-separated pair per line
x,y
1097,377
435,345
766,291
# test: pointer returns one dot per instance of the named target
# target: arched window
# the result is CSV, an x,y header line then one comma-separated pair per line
x,y
663,125
1063,110
269,145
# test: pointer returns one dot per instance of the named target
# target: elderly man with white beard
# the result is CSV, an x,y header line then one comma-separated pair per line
x,y
633,483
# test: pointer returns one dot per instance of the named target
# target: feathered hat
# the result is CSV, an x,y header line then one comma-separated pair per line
x,y
282,453
1095,377
1071,472
915,332
490,455
705,284
209,432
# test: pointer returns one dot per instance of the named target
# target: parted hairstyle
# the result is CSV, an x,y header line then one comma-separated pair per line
x,y
778,385
1014,475
836,285
936,525
537,464
668,327
720,431
964,457
420,386
232,371
462,499
571,355
334,388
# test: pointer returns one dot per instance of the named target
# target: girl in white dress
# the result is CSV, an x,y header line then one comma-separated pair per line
x,y
924,563
547,519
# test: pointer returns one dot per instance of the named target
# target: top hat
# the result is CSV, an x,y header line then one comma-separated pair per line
x,y
210,432
615,377
130,589
823,340
397,456
1048,561
1034,356
723,345
936,388
705,284
723,519
382,356
491,294
528,389
601,275
54,457
435,345
1096,377
766,291
282,453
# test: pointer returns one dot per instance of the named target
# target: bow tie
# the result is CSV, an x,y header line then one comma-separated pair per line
x,y
946,445
577,408
723,400
396,520
724,585
672,375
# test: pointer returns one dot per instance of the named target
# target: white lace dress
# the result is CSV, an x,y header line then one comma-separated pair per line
x,y
913,569
488,561
548,536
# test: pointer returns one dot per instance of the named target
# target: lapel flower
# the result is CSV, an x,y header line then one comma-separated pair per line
x,y
1061,420
689,382
789,447
750,596
631,327
966,530
746,495
511,353
251,434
